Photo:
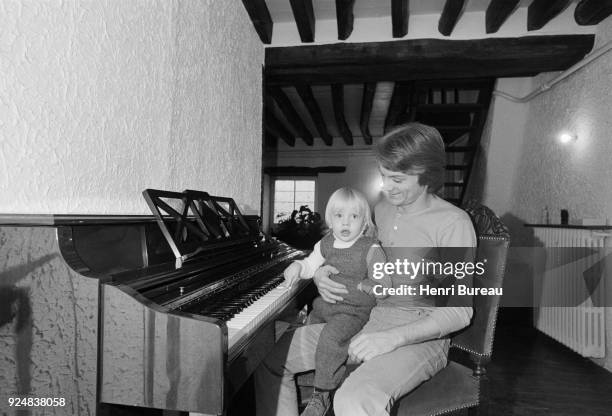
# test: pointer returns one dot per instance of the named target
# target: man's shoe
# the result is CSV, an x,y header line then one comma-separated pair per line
x,y
318,405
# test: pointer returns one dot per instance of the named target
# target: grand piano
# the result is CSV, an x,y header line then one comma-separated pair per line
x,y
170,311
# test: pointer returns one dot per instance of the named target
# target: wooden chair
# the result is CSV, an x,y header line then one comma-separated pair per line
x,y
458,386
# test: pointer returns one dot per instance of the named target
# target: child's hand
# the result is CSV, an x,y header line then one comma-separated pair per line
x,y
292,273
368,287
365,288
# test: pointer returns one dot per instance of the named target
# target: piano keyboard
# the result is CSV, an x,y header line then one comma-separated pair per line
x,y
250,318
234,299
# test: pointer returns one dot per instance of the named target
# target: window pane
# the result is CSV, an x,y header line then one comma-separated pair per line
x,y
282,211
304,196
283,185
289,195
280,216
284,206
304,186
284,197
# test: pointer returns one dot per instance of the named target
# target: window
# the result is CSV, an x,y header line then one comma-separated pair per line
x,y
291,194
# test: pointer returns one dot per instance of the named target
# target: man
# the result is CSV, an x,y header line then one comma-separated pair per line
x,y
405,341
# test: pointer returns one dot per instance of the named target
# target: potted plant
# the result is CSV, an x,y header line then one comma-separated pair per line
x,y
302,229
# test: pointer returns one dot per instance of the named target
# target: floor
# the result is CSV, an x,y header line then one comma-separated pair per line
x,y
531,374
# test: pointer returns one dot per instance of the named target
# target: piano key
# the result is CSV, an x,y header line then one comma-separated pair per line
x,y
251,317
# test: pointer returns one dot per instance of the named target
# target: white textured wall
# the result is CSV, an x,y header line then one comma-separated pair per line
x,y
527,168
494,175
48,325
102,99
577,176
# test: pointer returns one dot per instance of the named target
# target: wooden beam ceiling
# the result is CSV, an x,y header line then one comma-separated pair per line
x,y
291,115
305,93
399,18
541,12
417,59
402,91
302,170
260,16
369,89
497,13
338,103
450,15
345,18
304,19
277,129
591,12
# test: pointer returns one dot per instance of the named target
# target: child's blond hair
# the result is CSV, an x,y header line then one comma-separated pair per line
x,y
348,195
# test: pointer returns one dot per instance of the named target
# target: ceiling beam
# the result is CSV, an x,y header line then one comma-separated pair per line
x,y
450,15
497,13
402,92
415,59
303,14
591,12
260,16
276,128
369,89
541,12
311,104
338,104
345,18
302,170
291,115
399,18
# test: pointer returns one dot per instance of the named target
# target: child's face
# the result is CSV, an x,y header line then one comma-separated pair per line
x,y
347,222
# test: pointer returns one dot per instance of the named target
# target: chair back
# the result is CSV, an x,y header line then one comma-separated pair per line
x,y
493,242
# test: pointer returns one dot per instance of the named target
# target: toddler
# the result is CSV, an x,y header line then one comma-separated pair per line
x,y
351,248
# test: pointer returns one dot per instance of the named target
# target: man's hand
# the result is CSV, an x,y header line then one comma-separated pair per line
x,y
292,273
330,291
364,347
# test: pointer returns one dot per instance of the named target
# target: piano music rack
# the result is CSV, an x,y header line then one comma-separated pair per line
x,y
191,218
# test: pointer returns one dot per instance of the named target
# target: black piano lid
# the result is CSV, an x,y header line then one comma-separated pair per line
x,y
56,220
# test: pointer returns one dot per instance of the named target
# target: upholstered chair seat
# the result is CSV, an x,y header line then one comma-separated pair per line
x,y
453,388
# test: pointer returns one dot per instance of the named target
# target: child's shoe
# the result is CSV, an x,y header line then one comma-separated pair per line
x,y
319,404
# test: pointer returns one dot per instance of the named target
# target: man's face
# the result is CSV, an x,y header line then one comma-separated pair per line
x,y
401,188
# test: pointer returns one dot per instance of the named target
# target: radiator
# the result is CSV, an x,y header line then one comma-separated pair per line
x,y
580,327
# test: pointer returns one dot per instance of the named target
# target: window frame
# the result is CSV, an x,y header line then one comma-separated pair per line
x,y
274,178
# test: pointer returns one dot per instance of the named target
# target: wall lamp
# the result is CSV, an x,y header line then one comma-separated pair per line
x,y
567,138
